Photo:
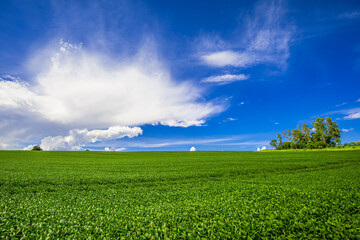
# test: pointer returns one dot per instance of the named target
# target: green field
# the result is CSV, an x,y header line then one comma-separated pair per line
x,y
210,195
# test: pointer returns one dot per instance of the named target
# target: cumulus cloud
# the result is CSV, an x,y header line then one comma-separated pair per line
x,y
81,85
15,94
79,138
29,147
226,78
82,89
192,149
265,41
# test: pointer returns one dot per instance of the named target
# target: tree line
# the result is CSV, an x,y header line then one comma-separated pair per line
x,y
321,134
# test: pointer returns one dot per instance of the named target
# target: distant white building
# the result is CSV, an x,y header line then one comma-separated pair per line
x,y
192,149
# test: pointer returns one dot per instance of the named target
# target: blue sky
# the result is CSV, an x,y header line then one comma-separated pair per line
x,y
169,75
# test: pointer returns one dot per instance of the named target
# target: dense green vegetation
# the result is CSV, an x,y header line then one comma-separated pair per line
x,y
352,144
323,134
221,195
36,148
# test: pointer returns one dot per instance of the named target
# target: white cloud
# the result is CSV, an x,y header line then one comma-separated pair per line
x,y
350,15
265,41
347,130
226,78
276,123
80,89
263,148
230,119
29,147
156,143
15,94
231,58
79,138
341,104
351,113
353,116
224,58
120,149
358,100
108,149
192,149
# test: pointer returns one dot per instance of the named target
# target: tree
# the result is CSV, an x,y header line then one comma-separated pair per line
x,y
273,143
320,130
326,134
280,140
287,135
306,131
297,138
333,132
36,148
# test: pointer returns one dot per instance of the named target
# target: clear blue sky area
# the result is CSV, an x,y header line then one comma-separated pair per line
x,y
169,75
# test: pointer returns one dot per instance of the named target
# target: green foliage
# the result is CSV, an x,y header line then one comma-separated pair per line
x,y
36,148
326,134
273,143
352,144
179,195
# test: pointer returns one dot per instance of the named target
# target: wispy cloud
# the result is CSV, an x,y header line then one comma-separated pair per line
x,y
230,119
350,15
341,104
347,130
265,41
226,78
246,143
353,113
178,142
229,141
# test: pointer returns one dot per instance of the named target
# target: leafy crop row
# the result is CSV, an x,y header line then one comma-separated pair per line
x,y
179,195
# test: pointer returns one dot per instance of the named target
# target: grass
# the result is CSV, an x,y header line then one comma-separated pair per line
x,y
212,195
331,149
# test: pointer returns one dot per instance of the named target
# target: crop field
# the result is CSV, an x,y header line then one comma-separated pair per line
x,y
179,195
